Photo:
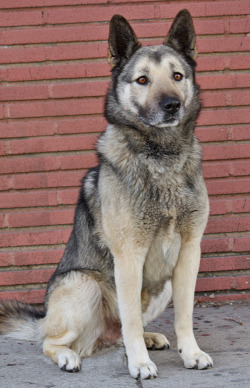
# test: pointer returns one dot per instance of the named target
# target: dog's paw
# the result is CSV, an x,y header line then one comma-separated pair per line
x,y
69,361
196,359
147,370
156,341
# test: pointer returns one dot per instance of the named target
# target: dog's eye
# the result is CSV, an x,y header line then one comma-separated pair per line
x,y
142,80
178,76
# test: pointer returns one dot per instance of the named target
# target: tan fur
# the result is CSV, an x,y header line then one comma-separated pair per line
x,y
155,341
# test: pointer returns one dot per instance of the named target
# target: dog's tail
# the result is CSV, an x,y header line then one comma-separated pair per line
x,y
20,321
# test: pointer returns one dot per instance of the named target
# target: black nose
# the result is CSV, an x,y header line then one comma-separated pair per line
x,y
170,104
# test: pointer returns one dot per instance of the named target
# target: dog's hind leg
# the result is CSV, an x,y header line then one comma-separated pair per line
x,y
58,350
74,320
156,341
155,305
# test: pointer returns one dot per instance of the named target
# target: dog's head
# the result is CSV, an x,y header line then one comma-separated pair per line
x,y
153,84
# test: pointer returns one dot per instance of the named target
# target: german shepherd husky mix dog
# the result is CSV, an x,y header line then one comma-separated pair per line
x,y
139,220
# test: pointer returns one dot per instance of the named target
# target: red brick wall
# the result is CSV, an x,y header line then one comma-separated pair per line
x,y
54,74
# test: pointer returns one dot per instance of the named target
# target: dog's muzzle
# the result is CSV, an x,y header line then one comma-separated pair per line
x,y
170,105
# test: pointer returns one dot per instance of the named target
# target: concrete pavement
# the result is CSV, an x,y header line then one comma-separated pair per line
x,y
223,332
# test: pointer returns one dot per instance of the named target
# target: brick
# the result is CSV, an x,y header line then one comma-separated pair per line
x,y
32,276
222,62
50,144
100,32
35,237
27,128
227,263
223,81
224,298
40,218
38,198
216,244
242,244
28,199
15,165
27,296
2,111
228,225
225,169
226,151
133,12
67,196
24,92
217,283
220,206
82,125
42,180
5,259
46,127
79,161
221,44
228,186
43,3
54,71
6,182
223,133
239,25
241,133
56,108
224,116
10,165
47,52
229,206
54,34
241,205
211,134
243,282
27,257
197,9
77,89
2,222
225,98
25,18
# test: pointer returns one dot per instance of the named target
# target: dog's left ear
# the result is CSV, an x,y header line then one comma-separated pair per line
x,y
181,35
122,41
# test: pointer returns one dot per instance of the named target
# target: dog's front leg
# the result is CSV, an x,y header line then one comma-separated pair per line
x,y
128,278
184,280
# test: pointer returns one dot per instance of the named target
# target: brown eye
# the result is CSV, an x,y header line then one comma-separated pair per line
x,y
142,80
178,76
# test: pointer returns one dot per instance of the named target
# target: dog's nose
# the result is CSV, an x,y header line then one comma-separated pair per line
x,y
170,104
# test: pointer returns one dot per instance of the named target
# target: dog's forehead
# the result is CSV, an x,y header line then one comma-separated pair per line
x,y
159,57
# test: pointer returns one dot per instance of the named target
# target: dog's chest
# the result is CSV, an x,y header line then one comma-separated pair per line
x,y
162,256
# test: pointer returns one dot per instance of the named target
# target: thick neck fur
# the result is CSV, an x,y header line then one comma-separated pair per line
x,y
168,144
142,155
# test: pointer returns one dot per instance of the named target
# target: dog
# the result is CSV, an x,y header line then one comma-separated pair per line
x,y
139,220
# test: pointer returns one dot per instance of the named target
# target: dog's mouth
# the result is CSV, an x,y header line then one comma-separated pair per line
x,y
161,121
162,118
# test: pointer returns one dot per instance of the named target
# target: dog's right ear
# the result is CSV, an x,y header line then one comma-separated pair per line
x,y
122,41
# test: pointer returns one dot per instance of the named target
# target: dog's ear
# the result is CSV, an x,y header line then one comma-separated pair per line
x,y
181,35
122,41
